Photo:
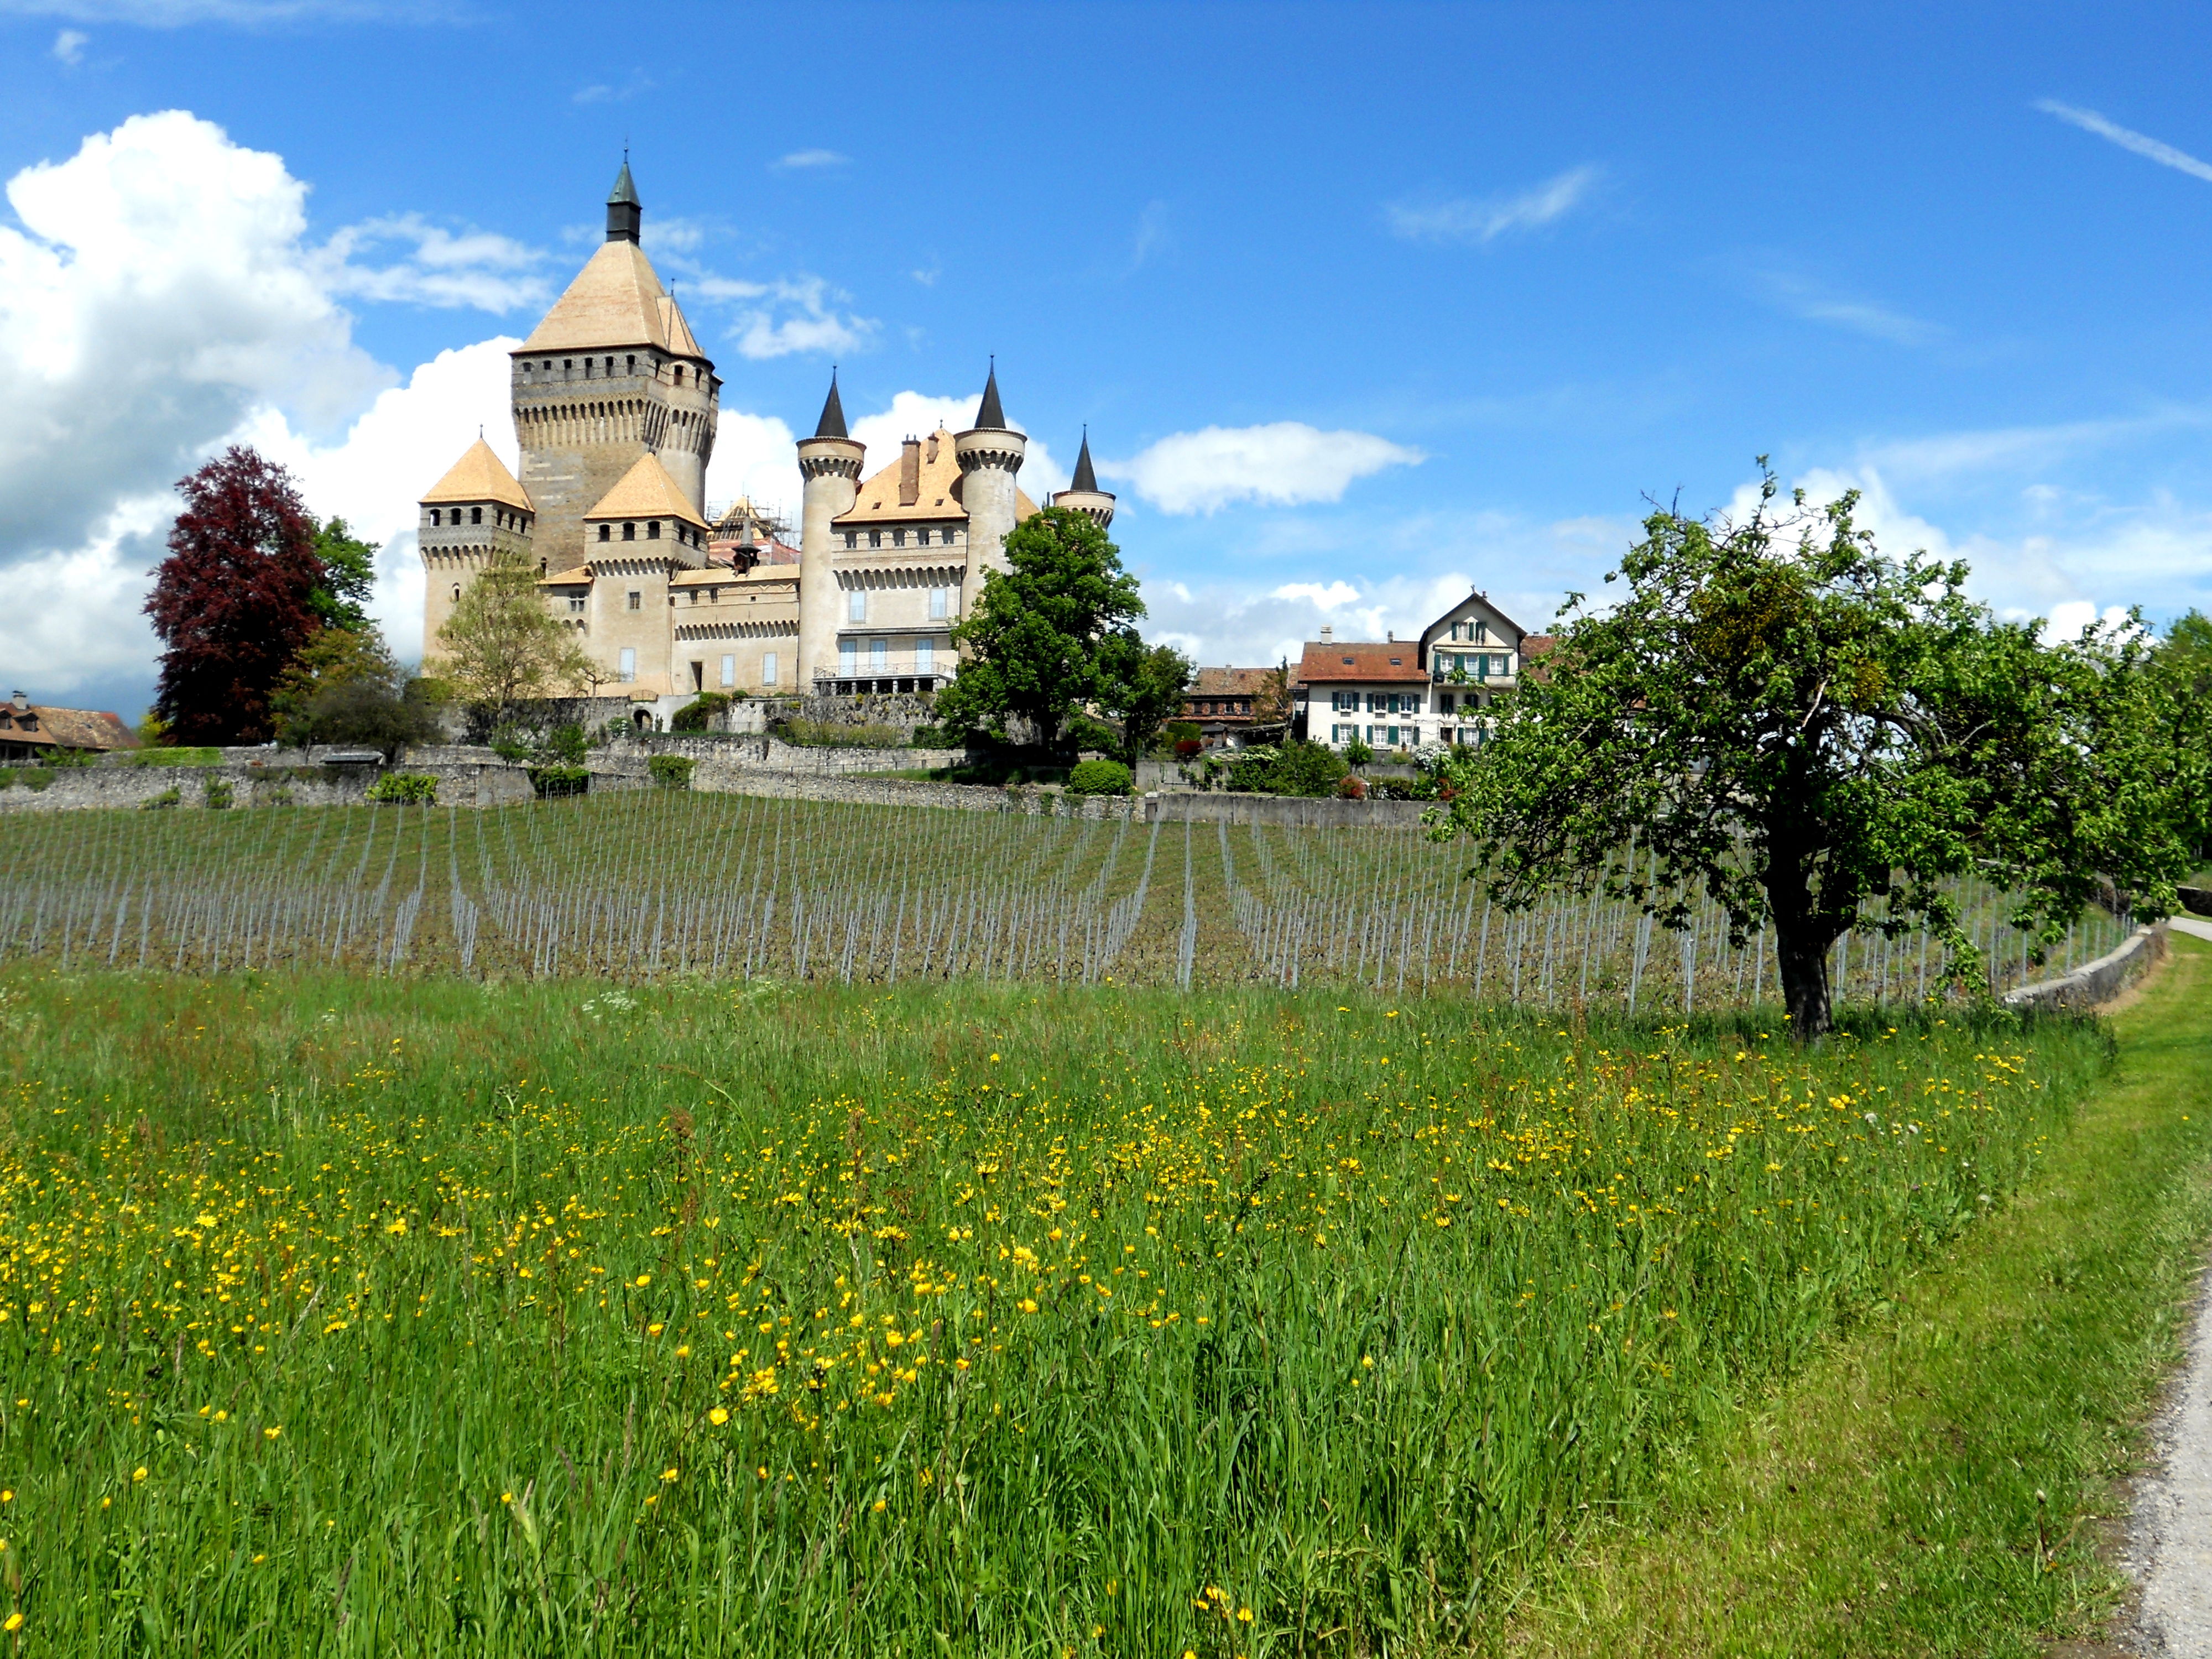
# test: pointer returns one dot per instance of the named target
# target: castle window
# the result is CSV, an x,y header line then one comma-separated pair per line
x,y
937,596
898,538
576,605
856,605
433,518
875,538
631,363
653,531
767,668
729,671
629,532
588,368
606,531
637,600
852,537
457,592
476,515
921,536
549,364
679,374
626,665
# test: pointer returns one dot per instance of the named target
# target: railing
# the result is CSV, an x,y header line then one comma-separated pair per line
x,y
862,665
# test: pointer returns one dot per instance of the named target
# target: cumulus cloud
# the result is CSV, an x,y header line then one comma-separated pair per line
x,y
474,268
917,414
1286,463
784,316
753,456
2141,143
1227,625
69,45
1468,219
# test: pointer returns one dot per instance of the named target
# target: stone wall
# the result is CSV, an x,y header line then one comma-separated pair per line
x,y
256,784
2098,981
1289,811
721,778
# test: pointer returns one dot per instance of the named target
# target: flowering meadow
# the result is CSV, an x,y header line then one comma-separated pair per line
x,y
351,1313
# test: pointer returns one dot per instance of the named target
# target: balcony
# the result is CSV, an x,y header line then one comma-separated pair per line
x,y
865,673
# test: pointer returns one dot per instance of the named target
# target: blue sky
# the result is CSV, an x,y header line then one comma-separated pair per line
x,y
1362,304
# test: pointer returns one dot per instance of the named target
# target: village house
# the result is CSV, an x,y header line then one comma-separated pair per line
x,y
37,731
1413,695
1227,704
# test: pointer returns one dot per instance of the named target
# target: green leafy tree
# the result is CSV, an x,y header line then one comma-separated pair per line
x,y
1141,686
344,686
1034,641
1819,737
1358,754
500,649
349,576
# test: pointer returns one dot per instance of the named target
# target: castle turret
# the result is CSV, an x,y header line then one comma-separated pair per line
x,y
1083,494
829,465
990,454
473,514
611,373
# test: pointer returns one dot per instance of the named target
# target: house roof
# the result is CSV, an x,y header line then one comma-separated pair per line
x,y
573,576
64,728
1535,648
617,300
1231,683
479,476
1511,633
1342,662
938,496
645,491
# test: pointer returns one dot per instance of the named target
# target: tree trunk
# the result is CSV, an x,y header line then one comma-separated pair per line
x,y
1802,956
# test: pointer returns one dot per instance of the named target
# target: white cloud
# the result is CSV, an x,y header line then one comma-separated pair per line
x,y
474,268
917,414
1808,299
1228,626
784,316
803,159
1465,220
69,45
2153,149
1286,463
753,456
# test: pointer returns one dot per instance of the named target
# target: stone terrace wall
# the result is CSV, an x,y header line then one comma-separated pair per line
x,y
1289,811
723,779
251,785
2097,981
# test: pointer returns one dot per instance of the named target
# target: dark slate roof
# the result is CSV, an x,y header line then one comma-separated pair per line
x,y
832,423
624,193
1085,477
991,417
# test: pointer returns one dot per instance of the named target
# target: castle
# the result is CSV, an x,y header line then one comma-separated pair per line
x,y
615,409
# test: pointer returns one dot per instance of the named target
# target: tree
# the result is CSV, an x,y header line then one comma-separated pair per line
x,y
349,575
234,600
1034,639
1819,736
1272,706
344,686
1141,687
500,647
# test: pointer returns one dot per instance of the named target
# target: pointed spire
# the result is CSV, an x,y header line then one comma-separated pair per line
x,y
625,213
1085,479
832,423
990,417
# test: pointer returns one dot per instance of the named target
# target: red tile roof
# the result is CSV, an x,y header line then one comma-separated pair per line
x,y
1229,683
1341,663
64,728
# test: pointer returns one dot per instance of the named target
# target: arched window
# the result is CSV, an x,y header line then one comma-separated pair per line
x,y
653,531
606,531
476,515
679,374
631,362
629,532
433,518
610,365
457,592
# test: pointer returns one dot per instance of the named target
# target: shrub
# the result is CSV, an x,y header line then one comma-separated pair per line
x,y
671,771
1186,748
568,744
1295,767
70,759
404,787
36,777
1352,788
553,781
695,715
7,777
219,793
1099,777
1082,732
167,798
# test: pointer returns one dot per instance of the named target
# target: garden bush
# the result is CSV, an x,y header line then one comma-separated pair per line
x,y
1352,788
220,792
553,781
695,715
1099,777
402,788
671,771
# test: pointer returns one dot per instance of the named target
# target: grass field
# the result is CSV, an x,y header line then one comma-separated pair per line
x,y
354,1313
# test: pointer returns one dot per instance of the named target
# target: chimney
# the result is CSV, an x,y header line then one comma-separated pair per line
x,y
1390,636
910,472
1328,637
20,701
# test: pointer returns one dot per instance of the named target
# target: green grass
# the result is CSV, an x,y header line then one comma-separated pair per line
x,y
178,756
1939,1482
346,1313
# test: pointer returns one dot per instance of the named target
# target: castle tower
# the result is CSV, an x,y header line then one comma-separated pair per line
x,y
829,465
990,453
1083,494
475,513
611,373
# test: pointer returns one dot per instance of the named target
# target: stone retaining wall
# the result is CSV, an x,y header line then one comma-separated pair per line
x,y
721,778
1289,811
252,786
2098,981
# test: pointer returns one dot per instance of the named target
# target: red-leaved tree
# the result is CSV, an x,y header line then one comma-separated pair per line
x,y
234,600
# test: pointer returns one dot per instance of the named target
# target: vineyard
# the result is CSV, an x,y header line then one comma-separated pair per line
x,y
649,885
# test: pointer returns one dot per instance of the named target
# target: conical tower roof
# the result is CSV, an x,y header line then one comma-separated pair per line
x,y
624,194
617,300
989,416
479,476
1085,477
832,423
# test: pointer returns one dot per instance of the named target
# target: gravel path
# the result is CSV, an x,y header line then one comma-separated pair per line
x,y
2170,1544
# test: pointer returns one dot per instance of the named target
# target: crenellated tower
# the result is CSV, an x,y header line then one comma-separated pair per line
x,y
990,453
611,373
1083,494
829,470
475,513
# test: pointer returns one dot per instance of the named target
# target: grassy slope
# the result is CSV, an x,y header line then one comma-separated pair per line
x,y
1934,1484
